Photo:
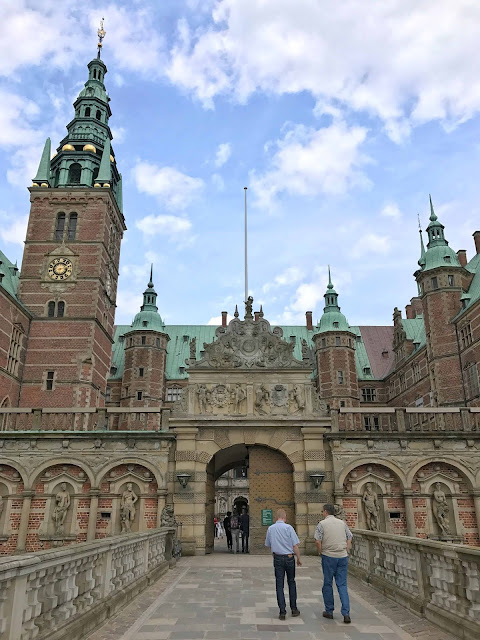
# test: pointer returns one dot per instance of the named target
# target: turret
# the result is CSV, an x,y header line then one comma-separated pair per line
x,y
335,356
143,383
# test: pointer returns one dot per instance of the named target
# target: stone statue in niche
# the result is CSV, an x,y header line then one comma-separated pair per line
x,y
202,398
238,396
127,508
370,503
299,397
222,505
168,516
62,504
441,509
262,397
339,512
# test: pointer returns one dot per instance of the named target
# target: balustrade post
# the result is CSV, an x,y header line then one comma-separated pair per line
x,y
102,419
465,419
400,419
37,419
408,499
92,515
16,607
24,518
161,499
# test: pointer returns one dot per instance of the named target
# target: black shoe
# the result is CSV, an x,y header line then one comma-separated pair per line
x,y
325,614
346,619
282,616
295,613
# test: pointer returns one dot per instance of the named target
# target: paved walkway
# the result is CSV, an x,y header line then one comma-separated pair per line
x,y
232,597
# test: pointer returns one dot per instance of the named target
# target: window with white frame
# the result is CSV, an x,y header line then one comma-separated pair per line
x,y
471,378
369,395
173,394
340,378
466,335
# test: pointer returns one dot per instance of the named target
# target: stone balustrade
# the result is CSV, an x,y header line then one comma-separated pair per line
x,y
406,419
437,580
66,593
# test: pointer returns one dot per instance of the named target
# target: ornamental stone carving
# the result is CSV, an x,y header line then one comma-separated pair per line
x,y
249,344
441,510
62,505
370,503
127,508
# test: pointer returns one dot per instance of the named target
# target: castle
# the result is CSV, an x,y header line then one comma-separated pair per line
x,y
389,406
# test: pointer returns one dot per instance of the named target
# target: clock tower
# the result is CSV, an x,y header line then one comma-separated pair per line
x,y
70,263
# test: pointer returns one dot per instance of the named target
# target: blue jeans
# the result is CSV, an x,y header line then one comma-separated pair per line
x,y
335,568
285,565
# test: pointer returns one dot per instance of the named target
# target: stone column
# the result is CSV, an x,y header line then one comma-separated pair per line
x,y
161,498
22,530
476,499
408,498
92,516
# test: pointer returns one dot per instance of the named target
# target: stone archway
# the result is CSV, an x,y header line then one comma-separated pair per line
x,y
270,487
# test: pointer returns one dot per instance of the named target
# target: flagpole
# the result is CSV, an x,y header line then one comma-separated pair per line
x,y
246,264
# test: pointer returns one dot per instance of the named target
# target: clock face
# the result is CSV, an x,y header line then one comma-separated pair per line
x,y
60,269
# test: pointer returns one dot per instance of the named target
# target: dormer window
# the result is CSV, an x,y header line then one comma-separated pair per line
x,y
186,338
447,259
335,325
145,323
113,370
121,339
367,371
293,339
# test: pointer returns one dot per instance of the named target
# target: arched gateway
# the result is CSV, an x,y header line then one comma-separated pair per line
x,y
249,397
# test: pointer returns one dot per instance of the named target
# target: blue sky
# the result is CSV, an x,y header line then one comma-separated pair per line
x,y
340,118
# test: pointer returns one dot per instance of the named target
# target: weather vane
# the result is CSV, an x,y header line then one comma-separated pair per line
x,y
101,35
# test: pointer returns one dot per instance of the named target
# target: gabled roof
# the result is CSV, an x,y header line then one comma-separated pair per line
x,y
11,276
473,292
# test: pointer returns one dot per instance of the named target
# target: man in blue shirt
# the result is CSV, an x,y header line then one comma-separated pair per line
x,y
283,541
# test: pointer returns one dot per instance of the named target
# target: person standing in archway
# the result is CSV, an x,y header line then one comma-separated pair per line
x,y
235,529
228,531
245,529
283,542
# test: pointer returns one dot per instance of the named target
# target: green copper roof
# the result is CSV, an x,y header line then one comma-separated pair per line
x,y
415,330
148,317
11,275
43,172
438,253
105,172
472,296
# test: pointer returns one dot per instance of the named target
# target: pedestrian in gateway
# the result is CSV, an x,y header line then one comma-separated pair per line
x,y
283,542
228,531
245,529
334,539
235,529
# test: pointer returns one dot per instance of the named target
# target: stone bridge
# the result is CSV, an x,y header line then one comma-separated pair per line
x,y
72,592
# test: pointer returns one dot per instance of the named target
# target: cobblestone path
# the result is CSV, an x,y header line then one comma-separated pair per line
x,y
232,597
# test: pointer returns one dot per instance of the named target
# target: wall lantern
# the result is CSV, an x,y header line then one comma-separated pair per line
x,y
183,478
317,479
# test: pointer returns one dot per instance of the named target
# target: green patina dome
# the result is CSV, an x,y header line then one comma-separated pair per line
x,y
148,318
438,253
332,319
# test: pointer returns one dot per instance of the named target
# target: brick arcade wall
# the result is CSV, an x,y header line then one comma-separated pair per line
x,y
11,316
271,487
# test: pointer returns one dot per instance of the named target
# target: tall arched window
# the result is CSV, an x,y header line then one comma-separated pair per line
x,y
61,309
98,115
87,112
74,173
51,309
72,226
60,227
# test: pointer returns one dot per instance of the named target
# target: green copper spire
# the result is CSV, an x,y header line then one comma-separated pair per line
x,y
438,253
421,261
148,316
105,173
332,319
43,173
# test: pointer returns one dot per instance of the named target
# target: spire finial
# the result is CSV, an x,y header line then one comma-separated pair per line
x,y
421,261
150,284
236,314
330,285
101,35
433,217
260,315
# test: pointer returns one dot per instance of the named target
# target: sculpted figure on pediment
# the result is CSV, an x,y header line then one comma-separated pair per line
x,y
262,399
370,503
441,509
202,398
238,396
249,344
298,396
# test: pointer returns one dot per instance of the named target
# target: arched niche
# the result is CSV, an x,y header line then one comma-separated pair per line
x,y
62,511
113,485
11,486
383,506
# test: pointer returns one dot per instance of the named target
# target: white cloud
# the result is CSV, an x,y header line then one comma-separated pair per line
x,y
174,189
13,230
310,161
391,210
163,225
224,152
119,135
128,304
288,277
218,182
217,320
396,66
371,243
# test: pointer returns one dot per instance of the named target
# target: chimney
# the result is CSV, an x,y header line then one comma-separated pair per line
x,y
476,237
417,306
409,312
256,315
224,318
308,316
462,257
